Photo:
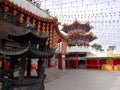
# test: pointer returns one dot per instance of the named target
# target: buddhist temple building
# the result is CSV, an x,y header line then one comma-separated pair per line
x,y
80,54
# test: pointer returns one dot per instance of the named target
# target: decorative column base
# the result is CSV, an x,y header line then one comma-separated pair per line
x,y
40,72
36,86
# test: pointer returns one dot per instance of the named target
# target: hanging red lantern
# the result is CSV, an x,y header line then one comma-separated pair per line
x,y
38,26
21,18
33,22
14,12
6,8
47,27
27,20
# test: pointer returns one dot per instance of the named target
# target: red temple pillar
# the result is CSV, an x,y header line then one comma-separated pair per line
x,y
6,65
98,63
85,62
84,43
112,62
67,62
48,62
76,60
60,61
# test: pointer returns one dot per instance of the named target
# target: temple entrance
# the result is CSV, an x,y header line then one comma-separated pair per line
x,y
75,60
81,64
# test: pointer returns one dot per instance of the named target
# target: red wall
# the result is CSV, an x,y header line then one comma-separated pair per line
x,y
102,61
116,61
92,64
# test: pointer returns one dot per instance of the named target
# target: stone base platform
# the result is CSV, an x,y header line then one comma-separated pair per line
x,y
37,86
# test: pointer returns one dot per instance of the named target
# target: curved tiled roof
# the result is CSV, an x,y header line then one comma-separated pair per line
x,y
27,51
80,38
27,31
41,36
27,35
45,54
61,35
16,51
14,33
77,25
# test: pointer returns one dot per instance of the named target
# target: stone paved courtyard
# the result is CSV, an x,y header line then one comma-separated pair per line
x,y
83,79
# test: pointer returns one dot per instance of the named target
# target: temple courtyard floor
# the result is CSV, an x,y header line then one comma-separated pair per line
x,y
82,79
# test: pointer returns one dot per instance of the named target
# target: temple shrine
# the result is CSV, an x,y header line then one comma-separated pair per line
x,y
27,36
78,43
80,54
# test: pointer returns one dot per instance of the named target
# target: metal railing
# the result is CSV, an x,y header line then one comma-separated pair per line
x,y
78,49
